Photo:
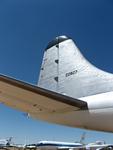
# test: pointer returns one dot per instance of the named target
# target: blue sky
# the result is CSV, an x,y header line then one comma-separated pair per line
x,y
26,27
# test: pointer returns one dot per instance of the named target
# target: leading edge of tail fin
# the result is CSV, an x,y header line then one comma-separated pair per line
x,y
65,70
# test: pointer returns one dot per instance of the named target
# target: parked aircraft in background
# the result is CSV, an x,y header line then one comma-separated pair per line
x,y
75,92
57,145
99,145
54,145
5,142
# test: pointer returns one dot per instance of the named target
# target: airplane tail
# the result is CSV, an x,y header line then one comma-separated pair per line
x,y
65,70
9,141
82,139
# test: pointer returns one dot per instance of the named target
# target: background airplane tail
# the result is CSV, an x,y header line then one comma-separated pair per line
x,y
65,70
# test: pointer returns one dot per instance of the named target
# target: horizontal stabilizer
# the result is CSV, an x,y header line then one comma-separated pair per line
x,y
37,102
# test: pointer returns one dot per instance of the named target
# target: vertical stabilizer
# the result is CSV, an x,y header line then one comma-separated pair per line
x,y
49,74
66,71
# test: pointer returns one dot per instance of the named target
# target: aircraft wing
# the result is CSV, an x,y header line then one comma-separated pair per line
x,y
37,102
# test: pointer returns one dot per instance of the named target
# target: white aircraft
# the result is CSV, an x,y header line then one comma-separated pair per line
x,y
5,142
70,90
99,145
55,145
58,145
